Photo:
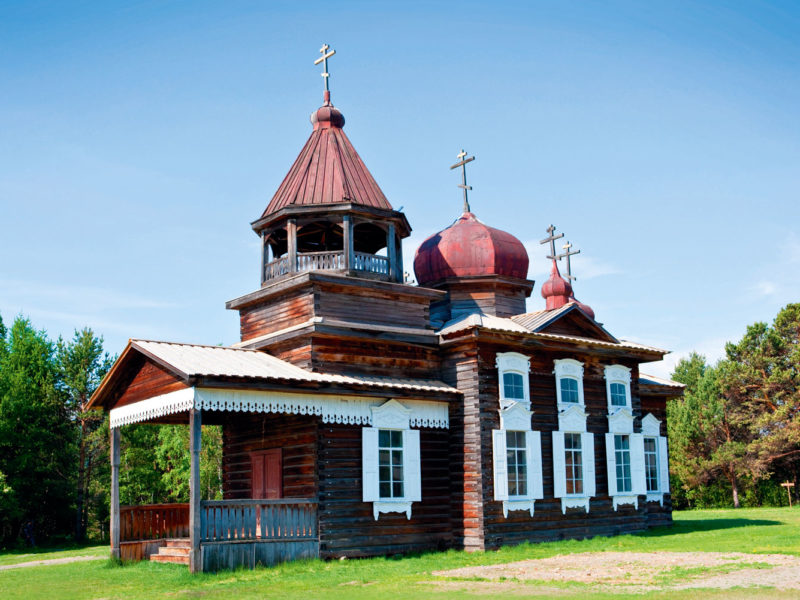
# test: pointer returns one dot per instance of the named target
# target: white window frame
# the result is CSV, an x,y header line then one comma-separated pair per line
x,y
651,427
513,362
572,419
622,375
621,423
517,417
568,368
391,415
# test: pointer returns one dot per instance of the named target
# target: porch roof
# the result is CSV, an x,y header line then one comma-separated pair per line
x,y
195,363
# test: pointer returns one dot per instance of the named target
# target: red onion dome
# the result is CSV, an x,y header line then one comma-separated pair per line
x,y
468,248
557,291
327,116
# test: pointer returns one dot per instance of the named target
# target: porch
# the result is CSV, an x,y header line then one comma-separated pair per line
x,y
233,533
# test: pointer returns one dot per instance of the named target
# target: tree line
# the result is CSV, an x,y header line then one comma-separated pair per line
x,y
733,436
54,461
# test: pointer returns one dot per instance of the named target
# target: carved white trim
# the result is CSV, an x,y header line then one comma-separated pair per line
x,y
513,362
391,415
618,374
568,368
351,410
509,505
620,500
572,419
656,497
620,421
382,506
651,426
574,502
516,417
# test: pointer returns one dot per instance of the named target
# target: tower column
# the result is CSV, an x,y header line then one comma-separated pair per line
x,y
391,251
347,233
291,240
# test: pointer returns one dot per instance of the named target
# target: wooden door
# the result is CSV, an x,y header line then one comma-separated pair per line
x,y
267,474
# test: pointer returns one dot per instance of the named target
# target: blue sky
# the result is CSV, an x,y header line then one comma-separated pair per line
x,y
139,139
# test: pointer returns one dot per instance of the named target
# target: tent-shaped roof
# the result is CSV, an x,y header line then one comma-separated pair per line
x,y
328,170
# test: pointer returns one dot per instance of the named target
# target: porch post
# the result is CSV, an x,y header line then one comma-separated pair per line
x,y
114,528
195,558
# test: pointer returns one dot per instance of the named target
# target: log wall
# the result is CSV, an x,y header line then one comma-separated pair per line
x,y
346,523
244,433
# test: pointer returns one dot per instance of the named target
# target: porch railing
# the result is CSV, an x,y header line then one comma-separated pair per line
x,y
258,520
313,261
153,522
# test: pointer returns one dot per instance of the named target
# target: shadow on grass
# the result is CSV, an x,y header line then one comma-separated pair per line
x,y
679,527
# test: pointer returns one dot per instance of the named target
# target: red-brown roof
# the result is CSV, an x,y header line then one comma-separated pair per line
x,y
328,170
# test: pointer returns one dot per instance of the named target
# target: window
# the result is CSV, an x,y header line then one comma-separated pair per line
x,y
513,370
513,388
569,382
574,463
651,463
618,395
390,463
569,390
390,460
622,451
517,463
618,387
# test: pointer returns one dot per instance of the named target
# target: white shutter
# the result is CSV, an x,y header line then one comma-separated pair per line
x,y
500,464
533,443
559,468
369,464
611,465
638,483
411,465
663,465
587,444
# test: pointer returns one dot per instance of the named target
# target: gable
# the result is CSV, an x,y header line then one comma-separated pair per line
x,y
574,322
135,377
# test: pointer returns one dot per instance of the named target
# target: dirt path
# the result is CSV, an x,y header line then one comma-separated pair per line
x,y
640,571
51,561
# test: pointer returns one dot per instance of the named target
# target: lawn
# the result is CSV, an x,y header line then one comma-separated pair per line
x,y
752,531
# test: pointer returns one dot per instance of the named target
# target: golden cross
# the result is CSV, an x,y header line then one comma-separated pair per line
x,y
552,240
324,59
567,255
463,164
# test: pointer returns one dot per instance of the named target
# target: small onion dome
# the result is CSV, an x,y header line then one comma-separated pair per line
x,y
468,248
327,116
557,291
584,307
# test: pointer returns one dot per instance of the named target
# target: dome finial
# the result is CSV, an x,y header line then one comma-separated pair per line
x,y
557,291
324,59
463,164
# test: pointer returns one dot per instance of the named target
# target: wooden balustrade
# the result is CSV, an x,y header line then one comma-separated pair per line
x,y
276,268
258,520
153,522
371,263
312,261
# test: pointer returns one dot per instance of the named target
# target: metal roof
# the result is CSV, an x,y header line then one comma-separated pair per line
x,y
219,361
328,170
512,324
653,380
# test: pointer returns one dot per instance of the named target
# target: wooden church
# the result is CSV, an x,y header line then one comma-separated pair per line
x,y
363,415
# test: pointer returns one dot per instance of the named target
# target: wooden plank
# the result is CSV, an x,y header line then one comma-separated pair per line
x,y
195,562
115,517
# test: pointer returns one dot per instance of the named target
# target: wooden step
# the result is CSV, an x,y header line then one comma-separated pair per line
x,y
178,543
174,551
163,558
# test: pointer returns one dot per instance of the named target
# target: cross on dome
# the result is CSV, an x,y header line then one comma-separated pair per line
x,y
567,254
551,239
463,164
324,59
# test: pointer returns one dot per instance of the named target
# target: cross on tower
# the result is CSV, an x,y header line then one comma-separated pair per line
x,y
324,59
463,164
567,255
551,239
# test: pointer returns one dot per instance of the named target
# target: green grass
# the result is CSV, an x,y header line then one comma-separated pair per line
x,y
13,557
745,530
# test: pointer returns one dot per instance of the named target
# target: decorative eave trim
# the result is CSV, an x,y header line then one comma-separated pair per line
x,y
351,410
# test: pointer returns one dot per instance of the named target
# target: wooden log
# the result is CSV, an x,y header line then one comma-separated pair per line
x,y
115,493
195,564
